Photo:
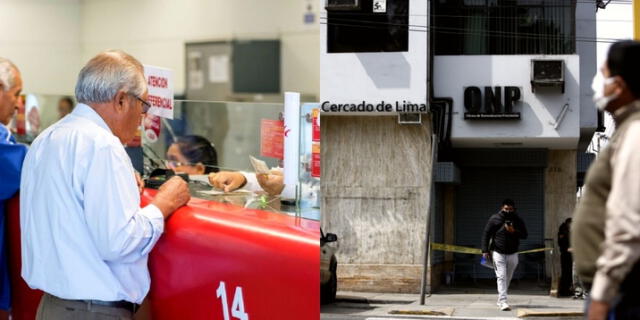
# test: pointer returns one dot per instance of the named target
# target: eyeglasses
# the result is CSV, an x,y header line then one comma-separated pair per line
x,y
145,105
172,164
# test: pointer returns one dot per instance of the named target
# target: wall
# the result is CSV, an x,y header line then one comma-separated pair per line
x,y
377,76
42,37
50,40
375,194
586,29
156,32
535,129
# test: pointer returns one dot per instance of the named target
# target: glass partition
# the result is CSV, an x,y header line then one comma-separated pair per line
x,y
235,131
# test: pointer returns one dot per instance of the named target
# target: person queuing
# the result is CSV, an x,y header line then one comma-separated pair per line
x,y
605,235
11,156
504,230
566,261
85,238
65,106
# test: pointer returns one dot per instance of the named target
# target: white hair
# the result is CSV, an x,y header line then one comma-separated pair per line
x,y
8,72
106,74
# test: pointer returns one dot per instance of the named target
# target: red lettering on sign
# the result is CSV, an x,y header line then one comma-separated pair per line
x,y
158,82
272,138
315,160
160,102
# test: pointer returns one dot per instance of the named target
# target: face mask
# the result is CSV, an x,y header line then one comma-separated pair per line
x,y
598,84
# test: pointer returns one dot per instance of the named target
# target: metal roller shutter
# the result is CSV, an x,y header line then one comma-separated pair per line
x,y
480,195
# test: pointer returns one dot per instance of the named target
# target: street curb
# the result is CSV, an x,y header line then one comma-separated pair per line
x,y
528,313
356,299
424,312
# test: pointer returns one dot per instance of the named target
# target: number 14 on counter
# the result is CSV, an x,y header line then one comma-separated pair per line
x,y
237,307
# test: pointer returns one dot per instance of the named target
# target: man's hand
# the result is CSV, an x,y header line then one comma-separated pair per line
x,y
172,195
139,182
227,180
272,183
509,228
485,255
598,310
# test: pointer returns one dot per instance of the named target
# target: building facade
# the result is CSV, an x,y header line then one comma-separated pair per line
x,y
508,87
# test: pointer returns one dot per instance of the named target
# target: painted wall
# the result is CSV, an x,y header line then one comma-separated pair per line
x,y
156,32
50,40
377,76
43,39
535,129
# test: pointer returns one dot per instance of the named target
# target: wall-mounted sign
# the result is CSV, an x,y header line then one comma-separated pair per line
x,y
160,85
490,104
379,6
272,138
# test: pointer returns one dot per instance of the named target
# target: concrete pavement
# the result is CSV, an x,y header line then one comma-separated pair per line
x,y
474,303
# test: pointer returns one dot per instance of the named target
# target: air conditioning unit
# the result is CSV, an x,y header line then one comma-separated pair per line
x,y
547,73
342,5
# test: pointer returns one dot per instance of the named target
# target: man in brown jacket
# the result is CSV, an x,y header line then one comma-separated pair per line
x,y
605,233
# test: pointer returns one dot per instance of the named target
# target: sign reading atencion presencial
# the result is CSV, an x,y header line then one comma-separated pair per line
x,y
160,85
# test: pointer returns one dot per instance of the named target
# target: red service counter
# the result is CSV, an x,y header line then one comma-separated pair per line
x,y
217,261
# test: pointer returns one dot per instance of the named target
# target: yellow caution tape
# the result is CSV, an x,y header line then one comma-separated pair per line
x,y
453,248
468,250
535,250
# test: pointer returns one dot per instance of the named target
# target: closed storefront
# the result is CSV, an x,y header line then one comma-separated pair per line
x,y
484,186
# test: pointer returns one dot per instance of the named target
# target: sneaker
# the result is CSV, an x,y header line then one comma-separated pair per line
x,y
503,306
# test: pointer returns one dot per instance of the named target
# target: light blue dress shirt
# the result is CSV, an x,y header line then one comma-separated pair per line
x,y
84,235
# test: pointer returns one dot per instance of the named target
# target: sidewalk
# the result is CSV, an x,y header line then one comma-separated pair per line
x,y
458,304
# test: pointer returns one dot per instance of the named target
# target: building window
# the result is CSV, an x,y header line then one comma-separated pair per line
x,y
488,27
362,30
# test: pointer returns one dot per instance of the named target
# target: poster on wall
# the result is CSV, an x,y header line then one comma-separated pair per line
x,y
315,143
219,68
195,70
152,125
272,138
20,116
160,84
32,111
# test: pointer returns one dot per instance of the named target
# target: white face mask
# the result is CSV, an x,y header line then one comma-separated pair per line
x,y
598,84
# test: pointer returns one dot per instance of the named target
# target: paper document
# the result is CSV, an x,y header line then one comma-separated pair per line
x,y
259,166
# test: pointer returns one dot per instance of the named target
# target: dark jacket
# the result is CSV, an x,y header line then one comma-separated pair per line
x,y
564,236
503,242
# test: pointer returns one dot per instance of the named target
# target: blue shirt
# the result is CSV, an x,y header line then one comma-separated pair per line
x,y
11,157
84,233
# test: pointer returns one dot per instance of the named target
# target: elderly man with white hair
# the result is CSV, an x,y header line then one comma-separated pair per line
x,y
85,239
11,156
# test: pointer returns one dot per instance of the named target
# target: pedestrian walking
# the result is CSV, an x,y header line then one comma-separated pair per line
x,y
500,242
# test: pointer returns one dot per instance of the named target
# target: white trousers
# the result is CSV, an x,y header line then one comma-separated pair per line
x,y
504,265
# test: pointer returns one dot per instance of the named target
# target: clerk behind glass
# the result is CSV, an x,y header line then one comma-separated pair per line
x,y
85,238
